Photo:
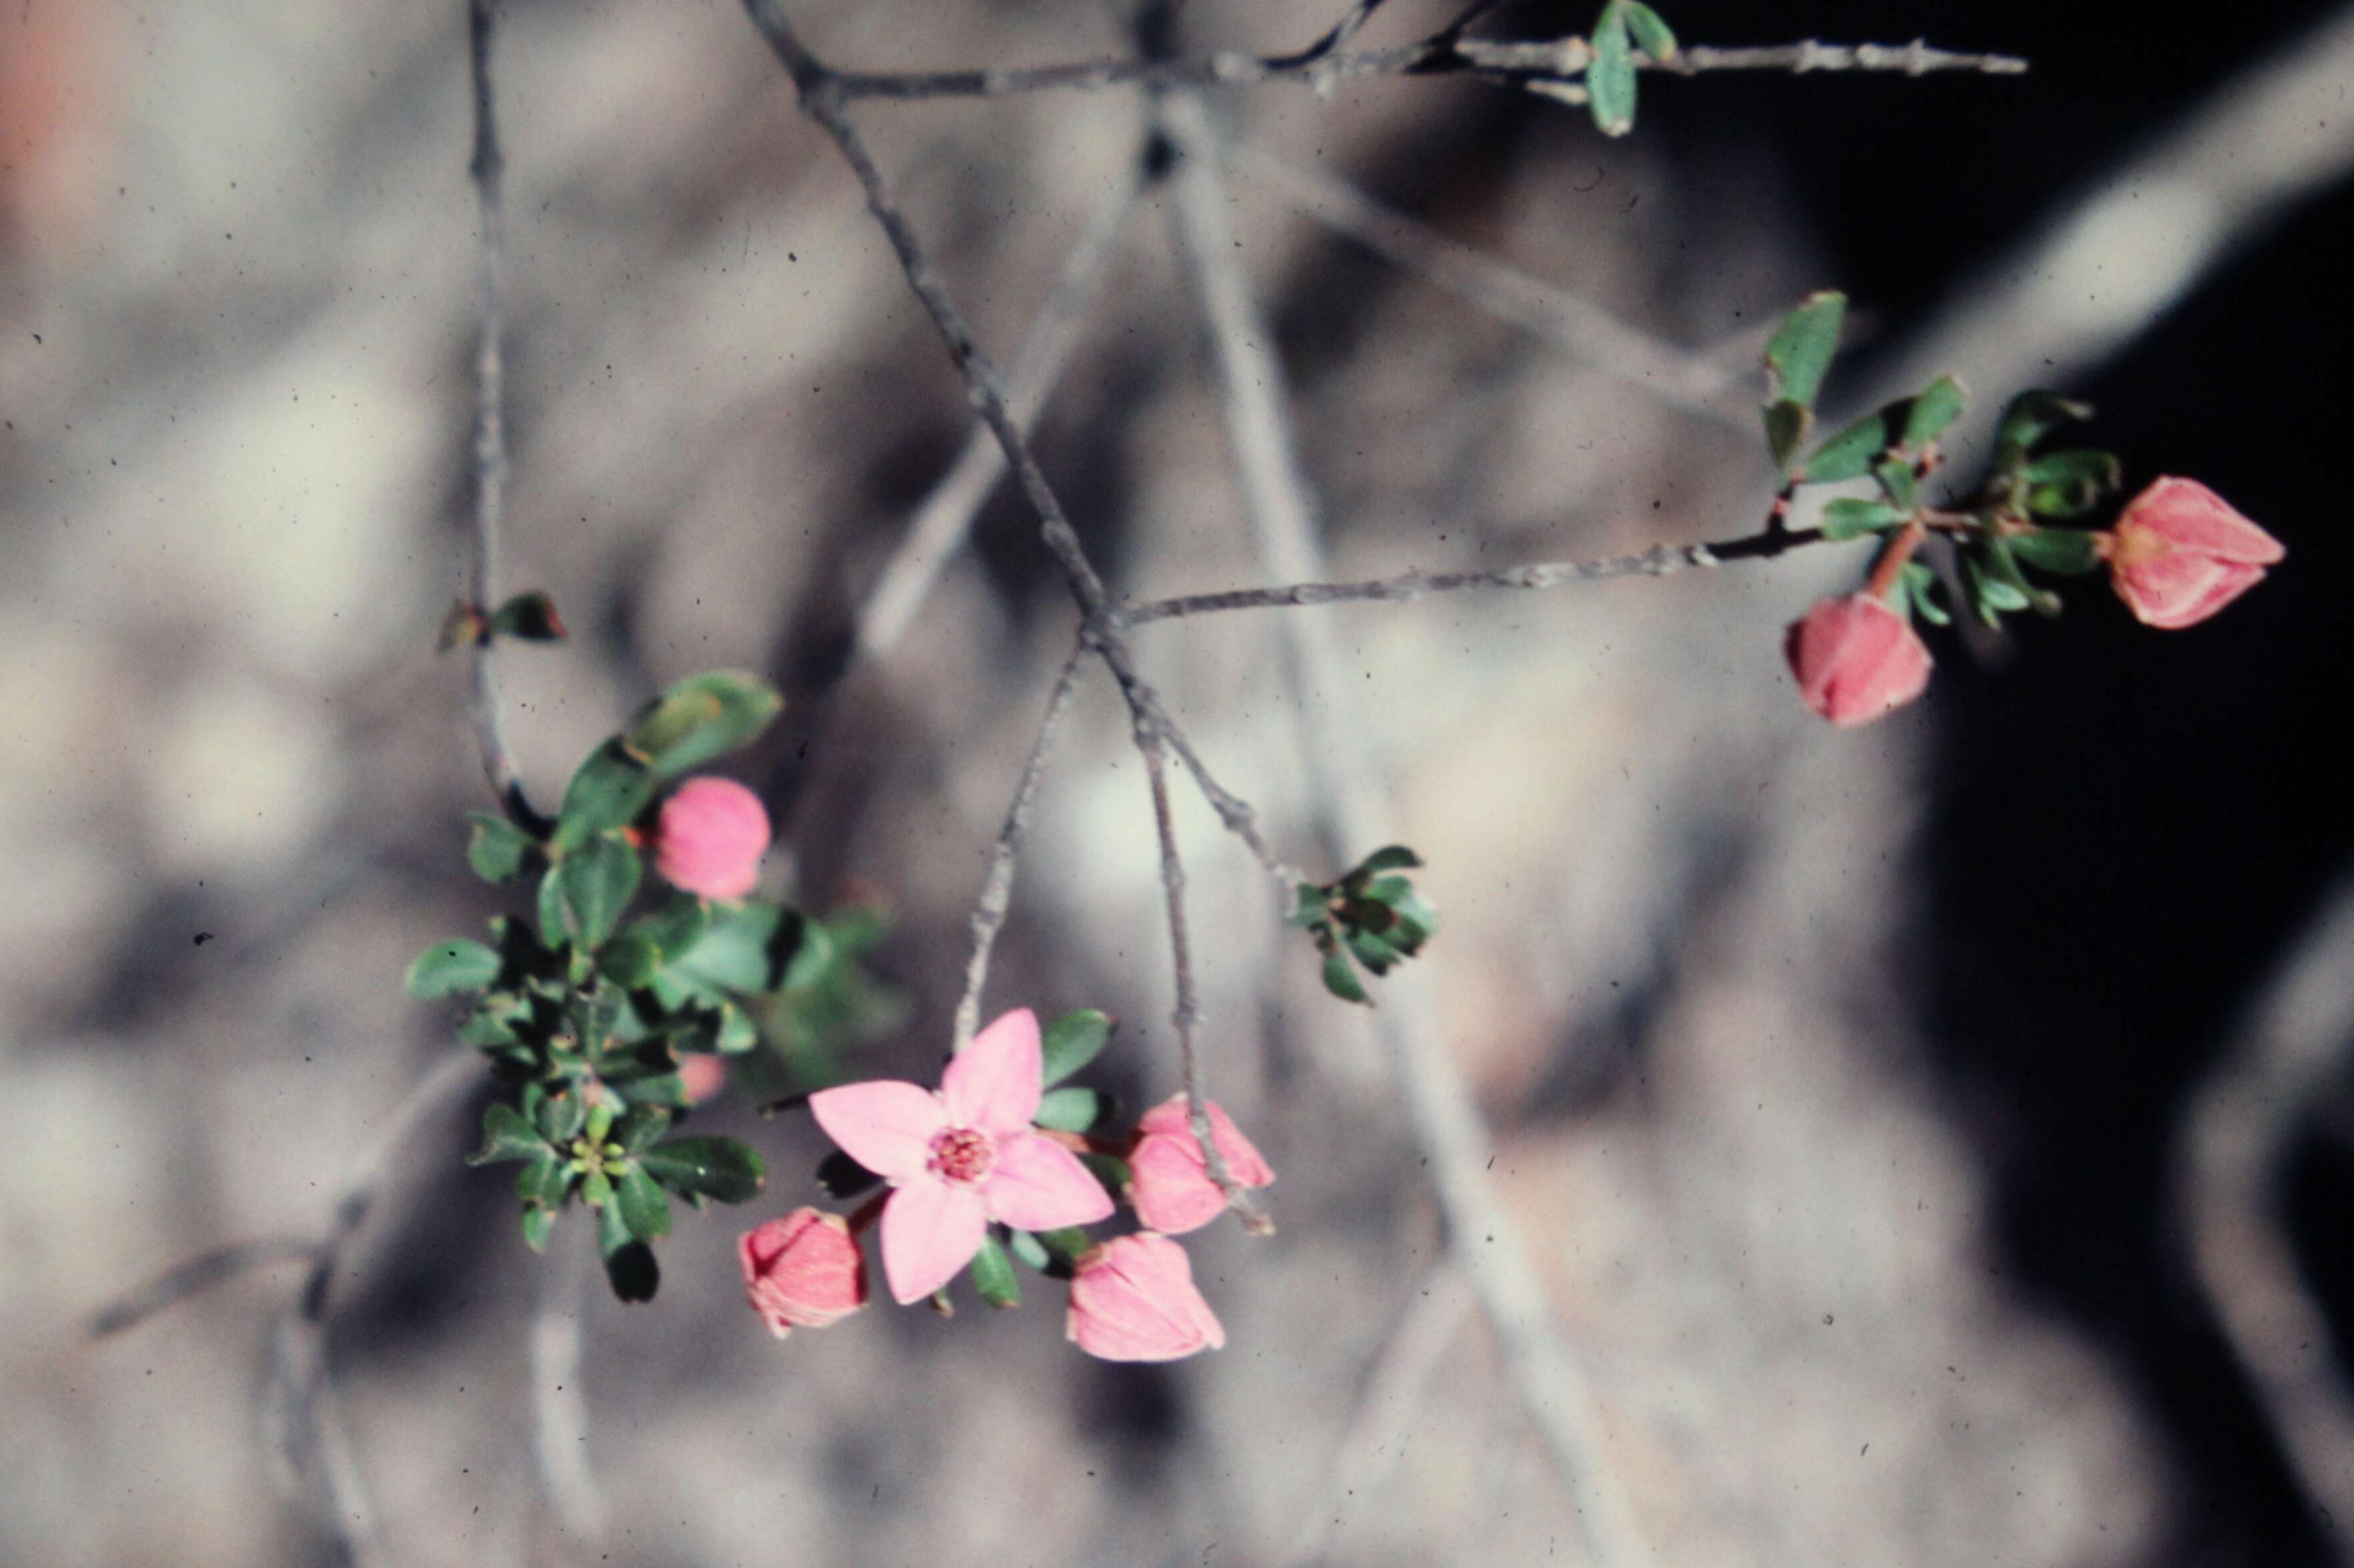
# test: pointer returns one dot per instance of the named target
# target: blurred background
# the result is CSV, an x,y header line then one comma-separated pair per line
x,y
1935,1139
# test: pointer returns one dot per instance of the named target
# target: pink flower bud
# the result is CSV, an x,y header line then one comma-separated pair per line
x,y
710,837
1856,659
1133,1299
1169,1182
703,1076
802,1271
2180,553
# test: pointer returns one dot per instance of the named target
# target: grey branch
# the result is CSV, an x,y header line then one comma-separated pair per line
x,y
1187,1012
823,100
997,886
1443,53
2227,1184
488,167
1589,332
1543,1370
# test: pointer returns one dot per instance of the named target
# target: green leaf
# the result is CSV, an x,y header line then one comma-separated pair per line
x,y
498,849
1801,349
546,1182
676,924
629,1265
536,1225
993,1274
551,910
1610,76
1030,1250
530,616
1650,32
1851,519
1373,951
1114,1175
1073,1110
1389,857
1920,584
1307,907
1848,454
596,1188
717,1168
1073,1040
2030,417
560,1116
1341,979
447,967
607,791
1786,423
702,717
2064,552
1066,1243
2068,483
594,884
2003,568
742,948
1931,410
630,958
1990,597
1898,483
507,1136
644,1208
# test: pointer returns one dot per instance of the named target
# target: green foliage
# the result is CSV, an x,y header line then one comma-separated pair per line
x,y
1073,1040
1073,1109
701,717
447,967
1372,915
993,1276
1610,75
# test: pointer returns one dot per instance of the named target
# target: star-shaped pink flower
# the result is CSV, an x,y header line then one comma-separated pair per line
x,y
961,1157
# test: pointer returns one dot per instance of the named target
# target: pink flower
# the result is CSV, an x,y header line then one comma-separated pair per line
x,y
802,1271
1856,659
2180,553
701,1077
710,837
1171,1185
1133,1299
962,1157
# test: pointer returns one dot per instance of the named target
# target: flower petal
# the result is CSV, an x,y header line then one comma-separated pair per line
x,y
884,1124
1244,1163
1134,1299
1170,1184
930,1230
993,1083
1036,1185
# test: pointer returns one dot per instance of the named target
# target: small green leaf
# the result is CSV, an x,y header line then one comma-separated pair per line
x,y
447,967
560,1116
546,1182
1073,1040
676,924
2028,418
607,791
498,849
530,616
551,910
1373,951
629,1265
993,1274
717,1168
536,1225
1341,979
1067,1243
596,1190
1848,454
1307,905
644,1208
1610,76
1801,350
507,1136
1389,857
1072,1110
1030,1250
593,886
1652,34
1920,584
630,958
742,948
2068,483
1846,518
1113,1173
2064,552
702,717
1898,482
1931,410
1786,423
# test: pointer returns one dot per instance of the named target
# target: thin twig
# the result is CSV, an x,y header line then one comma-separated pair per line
x,y
1187,1012
1443,53
2227,1185
997,885
1590,334
487,167
1542,1369
1659,560
820,91
945,514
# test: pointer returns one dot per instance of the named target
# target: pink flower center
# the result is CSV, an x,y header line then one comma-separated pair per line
x,y
961,1154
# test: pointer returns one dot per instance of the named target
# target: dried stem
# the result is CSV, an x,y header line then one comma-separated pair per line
x,y
1542,1369
1187,1013
997,886
488,167
1443,53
